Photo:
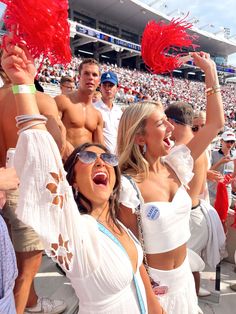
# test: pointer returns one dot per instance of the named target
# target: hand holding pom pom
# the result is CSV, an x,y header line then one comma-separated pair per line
x,y
159,38
42,25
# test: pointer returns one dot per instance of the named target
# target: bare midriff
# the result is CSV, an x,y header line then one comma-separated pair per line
x,y
168,260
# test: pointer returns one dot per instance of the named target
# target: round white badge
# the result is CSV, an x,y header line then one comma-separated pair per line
x,y
152,212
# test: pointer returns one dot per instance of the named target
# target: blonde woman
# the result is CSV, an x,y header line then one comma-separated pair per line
x,y
154,187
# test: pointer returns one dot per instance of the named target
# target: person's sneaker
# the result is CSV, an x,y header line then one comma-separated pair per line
x,y
203,292
46,306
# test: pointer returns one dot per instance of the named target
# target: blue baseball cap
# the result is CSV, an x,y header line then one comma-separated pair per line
x,y
109,77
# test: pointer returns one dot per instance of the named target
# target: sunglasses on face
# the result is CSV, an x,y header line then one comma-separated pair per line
x,y
231,142
68,87
88,157
195,128
176,121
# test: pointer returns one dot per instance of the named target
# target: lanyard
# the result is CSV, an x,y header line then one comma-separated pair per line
x,y
114,239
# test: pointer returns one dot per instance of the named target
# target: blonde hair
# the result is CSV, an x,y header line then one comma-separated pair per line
x,y
200,114
132,123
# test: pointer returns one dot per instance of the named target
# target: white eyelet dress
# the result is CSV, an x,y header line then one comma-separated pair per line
x,y
100,272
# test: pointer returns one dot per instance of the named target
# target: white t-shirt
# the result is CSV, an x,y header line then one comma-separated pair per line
x,y
111,118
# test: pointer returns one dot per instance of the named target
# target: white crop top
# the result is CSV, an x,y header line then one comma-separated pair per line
x,y
165,224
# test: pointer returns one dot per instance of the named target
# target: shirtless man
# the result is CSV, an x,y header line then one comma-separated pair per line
x,y
181,116
26,242
81,120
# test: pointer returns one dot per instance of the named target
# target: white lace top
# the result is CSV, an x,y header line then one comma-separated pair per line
x,y
100,272
165,224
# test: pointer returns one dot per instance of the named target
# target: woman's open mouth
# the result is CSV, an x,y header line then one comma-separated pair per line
x,y
167,142
100,178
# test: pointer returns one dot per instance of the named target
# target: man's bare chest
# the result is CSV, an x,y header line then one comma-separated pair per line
x,y
80,117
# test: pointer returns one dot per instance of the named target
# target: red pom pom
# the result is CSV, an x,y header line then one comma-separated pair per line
x,y
222,202
159,38
43,25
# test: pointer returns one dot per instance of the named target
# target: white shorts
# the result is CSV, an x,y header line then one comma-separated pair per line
x,y
199,231
181,296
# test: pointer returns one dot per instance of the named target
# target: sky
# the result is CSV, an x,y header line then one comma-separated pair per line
x,y
217,13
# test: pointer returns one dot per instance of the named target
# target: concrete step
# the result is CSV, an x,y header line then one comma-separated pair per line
x,y
49,282
225,301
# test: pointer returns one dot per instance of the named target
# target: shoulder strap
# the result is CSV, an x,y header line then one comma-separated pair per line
x,y
139,221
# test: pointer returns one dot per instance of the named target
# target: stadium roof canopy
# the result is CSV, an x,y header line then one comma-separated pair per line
x,y
135,15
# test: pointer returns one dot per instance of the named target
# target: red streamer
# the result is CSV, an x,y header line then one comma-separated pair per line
x,y
43,25
159,38
222,202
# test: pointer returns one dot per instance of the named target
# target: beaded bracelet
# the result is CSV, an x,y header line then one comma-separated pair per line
x,y
26,116
215,91
30,125
29,117
24,89
212,88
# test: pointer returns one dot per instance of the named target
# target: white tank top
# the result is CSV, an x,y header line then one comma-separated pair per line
x,y
165,224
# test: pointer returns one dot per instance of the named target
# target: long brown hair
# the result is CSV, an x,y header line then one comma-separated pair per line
x,y
80,198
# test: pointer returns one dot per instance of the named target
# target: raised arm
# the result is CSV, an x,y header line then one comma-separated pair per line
x,y
214,106
20,68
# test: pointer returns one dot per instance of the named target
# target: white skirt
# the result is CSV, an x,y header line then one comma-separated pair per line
x,y
178,288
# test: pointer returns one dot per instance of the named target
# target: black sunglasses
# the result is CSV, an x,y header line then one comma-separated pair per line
x,y
176,121
231,142
68,87
88,157
195,128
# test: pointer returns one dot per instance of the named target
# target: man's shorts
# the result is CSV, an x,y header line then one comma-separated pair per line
x,y
24,238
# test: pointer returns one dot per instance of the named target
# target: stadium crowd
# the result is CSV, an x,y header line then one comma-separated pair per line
x,y
137,85
125,179
76,198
